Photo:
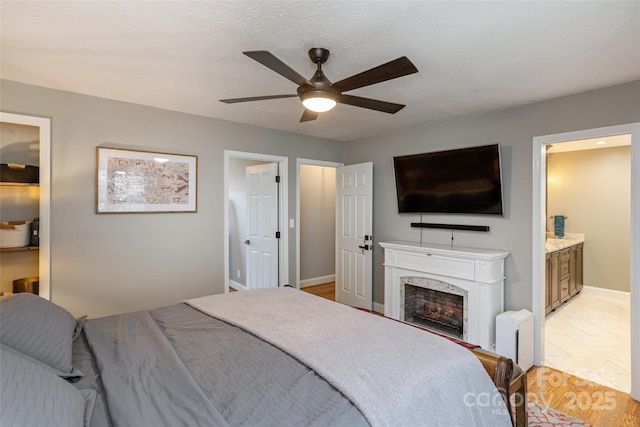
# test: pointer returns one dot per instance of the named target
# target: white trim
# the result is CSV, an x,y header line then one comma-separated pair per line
x,y
237,286
606,293
538,230
317,280
378,308
44,251
283,170
299,163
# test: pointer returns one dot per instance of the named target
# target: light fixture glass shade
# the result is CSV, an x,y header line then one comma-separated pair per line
x,y
318,104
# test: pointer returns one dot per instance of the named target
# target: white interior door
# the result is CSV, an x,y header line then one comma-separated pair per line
x,y
354,239
262,242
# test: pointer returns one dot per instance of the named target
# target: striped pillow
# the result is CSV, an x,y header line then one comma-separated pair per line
x,y
40,329
32,395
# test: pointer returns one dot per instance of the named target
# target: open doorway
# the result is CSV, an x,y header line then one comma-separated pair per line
x,y
236,261
315,218
539,228
352,224
587,328
42,128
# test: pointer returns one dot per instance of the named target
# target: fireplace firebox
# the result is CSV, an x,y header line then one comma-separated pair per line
x,y
433,309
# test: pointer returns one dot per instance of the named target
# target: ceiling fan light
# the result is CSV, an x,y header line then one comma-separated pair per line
x,y
318,104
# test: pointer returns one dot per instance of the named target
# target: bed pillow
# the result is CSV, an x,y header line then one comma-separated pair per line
x,y
33,395
40,329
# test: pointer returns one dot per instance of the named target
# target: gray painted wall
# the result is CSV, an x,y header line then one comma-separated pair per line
x,y
593,189
106,264
514,129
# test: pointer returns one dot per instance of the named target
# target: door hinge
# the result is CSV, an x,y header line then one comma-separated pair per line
x,y
277,178
277,234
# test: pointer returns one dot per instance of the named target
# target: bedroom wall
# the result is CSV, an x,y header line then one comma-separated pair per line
x,y
514,129
107,264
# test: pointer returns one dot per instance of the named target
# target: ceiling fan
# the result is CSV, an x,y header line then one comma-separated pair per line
x,y
319,95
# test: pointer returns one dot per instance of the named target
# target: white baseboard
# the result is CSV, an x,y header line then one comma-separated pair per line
x,y
378,308
317,280
237,286
606,293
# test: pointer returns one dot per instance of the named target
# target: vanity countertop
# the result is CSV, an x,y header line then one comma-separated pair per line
x,y
553,243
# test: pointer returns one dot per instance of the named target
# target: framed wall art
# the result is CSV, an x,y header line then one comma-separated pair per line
x,y
133,181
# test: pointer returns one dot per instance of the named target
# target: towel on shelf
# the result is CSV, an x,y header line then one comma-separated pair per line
x,y
558,225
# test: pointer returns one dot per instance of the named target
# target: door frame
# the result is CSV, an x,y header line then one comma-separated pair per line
x,y
44,249
283,210
539,227
299,163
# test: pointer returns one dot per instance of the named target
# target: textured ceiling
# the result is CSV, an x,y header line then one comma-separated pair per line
x,y
185,56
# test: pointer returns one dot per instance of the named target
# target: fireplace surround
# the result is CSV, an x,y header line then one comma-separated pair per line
x,y
475,274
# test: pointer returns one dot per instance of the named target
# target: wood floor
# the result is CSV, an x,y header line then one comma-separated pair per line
x,y
591,402
326,290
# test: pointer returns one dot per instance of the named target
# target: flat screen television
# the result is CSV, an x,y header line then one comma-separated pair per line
x,y
462,181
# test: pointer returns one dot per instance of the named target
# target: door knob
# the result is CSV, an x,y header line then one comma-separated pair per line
x,y
247,242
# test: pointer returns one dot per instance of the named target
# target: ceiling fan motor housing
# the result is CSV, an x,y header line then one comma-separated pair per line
x,y
319,55
320,87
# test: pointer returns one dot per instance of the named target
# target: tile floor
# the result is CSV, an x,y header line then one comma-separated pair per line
x,y
589,337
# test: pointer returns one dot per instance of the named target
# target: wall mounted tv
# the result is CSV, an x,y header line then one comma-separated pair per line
x,y
462,181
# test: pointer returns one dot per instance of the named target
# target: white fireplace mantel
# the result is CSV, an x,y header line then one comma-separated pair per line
x,y
480,272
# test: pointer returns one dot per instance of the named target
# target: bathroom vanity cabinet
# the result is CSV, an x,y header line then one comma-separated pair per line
x,y
564,273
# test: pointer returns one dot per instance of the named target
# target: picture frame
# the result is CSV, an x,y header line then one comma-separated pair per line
x,y
136,181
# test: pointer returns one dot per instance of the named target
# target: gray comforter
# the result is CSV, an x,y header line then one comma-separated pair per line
x,y
175,366
395,374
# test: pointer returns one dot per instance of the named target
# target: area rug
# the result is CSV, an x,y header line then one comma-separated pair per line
x,y
541,416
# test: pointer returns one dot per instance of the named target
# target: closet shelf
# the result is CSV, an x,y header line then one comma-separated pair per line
x,y
20,249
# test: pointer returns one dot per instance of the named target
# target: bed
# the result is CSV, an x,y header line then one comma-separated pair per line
x,y
268,357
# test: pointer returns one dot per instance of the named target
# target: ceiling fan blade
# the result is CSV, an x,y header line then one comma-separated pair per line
x,y
256,98
308,115
391,70
267,59
372,104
